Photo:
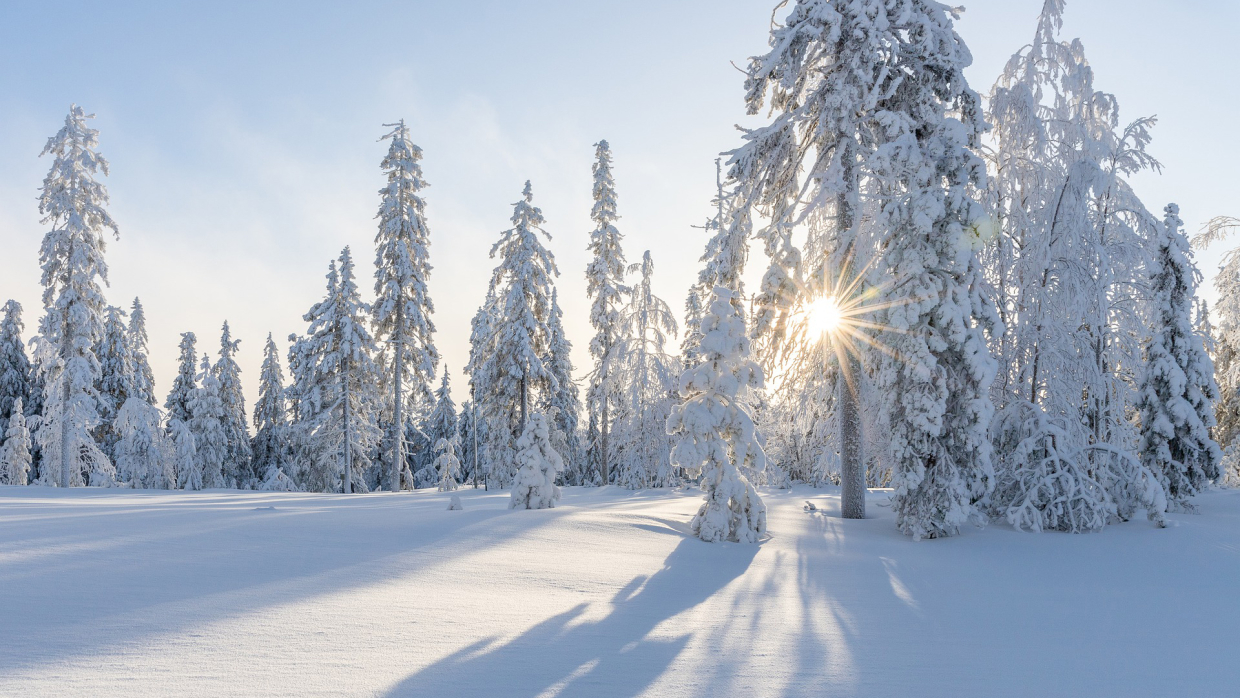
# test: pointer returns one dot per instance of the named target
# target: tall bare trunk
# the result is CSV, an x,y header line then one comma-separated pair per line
x,y
852,464
348,435
398,431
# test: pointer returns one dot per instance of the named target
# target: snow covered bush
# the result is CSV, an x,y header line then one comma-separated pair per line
x,y
715,427
537,466
447,464
185,462
15,451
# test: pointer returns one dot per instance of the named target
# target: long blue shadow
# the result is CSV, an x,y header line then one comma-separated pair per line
x,y
608,657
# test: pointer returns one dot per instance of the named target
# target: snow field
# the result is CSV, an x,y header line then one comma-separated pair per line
x,y
223,593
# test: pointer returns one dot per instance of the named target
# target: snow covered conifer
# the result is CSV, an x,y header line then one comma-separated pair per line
x,y
447,465
562,403
1177,391
185,462
15,452
402,309
481,339
442,421
207,423
715,429
145,454
270,445
116,380
513,370
185,382
237,467
339,354
605,287
139,354
15,369
537,466
71,257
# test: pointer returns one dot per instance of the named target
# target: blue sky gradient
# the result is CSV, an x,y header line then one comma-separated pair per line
x,y
243,136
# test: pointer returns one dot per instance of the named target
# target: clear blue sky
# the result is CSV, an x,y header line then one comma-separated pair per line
x,y
242,135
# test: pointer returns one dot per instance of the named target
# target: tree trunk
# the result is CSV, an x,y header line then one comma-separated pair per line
x,y
852,464
524,400
852,467
66,459
348,436
603,434
398,430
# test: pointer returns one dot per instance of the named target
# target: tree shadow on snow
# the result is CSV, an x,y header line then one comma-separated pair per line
x,y
611,656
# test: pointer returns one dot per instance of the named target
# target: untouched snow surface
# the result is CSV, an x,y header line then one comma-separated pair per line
x,y
272,594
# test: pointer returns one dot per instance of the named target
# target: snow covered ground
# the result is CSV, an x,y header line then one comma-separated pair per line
x,y
254,594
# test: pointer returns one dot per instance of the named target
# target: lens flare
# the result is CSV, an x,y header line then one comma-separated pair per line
x,y
824,316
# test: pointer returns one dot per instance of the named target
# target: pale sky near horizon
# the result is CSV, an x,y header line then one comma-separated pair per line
x,y
242,136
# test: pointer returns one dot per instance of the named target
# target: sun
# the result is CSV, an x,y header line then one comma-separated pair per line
x,y
824,316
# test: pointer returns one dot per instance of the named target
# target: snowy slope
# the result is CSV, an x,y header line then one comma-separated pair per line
x,y
252,594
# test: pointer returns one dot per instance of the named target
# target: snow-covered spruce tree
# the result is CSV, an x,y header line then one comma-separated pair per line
x,y
1067,265
442,422
16,377
71,257
447,465
562,404
714,426
116,378
693,322
185,383
270,446
185,461
139,354
513,370
304,402
145,454
402,309
237,466
346,383
1177,392
207,422
15,451
538,464
481,339
648,377
606,289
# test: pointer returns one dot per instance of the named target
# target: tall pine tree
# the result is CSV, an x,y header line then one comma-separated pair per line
x,y
562,404
402,309
185,383
1177,393
139,353
270,445
71,256
605,287
116,378
514,372
341,353
16,378
237,454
